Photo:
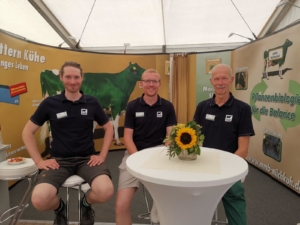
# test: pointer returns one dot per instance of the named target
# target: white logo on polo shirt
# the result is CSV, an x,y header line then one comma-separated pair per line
x,y
228,118
84,111
159,114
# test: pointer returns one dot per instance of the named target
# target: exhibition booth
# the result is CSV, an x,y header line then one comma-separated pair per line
x,y
266,75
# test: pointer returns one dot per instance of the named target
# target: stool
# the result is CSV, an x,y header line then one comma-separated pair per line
x,y
28,170
216,218
147,214
73,181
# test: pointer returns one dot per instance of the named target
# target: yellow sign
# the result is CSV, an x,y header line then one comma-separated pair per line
x,y
210,63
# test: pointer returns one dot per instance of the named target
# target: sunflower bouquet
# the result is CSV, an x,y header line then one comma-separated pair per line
x,y
185,137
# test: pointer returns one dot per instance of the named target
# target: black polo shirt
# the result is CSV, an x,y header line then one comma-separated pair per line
x,y
223,125
71,123
149,123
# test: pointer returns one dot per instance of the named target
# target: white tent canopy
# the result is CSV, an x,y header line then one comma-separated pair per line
x,y
140,26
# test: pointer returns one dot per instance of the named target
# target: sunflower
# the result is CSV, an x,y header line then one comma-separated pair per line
x,y
186,138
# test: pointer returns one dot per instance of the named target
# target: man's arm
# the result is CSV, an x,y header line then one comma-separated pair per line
x,y
243,143
196,117
168,130
108,136
30,143
128,140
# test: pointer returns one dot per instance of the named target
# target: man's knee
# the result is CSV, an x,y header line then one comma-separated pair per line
x,y
124,199
42,194
121,207
103,188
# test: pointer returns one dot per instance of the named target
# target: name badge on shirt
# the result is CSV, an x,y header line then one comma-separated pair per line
x,y
61,115
210,117
139,114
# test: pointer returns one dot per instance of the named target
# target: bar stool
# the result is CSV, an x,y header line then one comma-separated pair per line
x,y
216,219
148,213
28,170
74,181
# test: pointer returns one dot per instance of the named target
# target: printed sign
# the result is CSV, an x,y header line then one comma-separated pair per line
x,y
210,63
275,54
17,89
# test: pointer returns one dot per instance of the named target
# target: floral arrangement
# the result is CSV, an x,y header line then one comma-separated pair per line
x,y
185,137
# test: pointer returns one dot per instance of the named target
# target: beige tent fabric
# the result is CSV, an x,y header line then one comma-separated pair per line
x,y
180,87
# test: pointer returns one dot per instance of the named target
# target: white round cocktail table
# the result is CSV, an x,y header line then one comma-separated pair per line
x,y
28,170
186,192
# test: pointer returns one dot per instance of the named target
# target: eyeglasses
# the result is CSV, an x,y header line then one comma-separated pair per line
x,y
149,81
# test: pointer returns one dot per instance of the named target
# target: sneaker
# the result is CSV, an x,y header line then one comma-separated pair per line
x,y
60,218
154,215
87,215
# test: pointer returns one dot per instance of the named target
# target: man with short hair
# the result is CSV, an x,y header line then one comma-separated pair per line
x,y
71,115
226,124
148,120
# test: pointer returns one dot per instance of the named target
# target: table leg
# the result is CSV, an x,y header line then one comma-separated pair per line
x,y
182,205
4,193
31,182
4,196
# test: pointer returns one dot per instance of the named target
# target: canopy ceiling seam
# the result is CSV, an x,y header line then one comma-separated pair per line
x,y
255,38
164,30
77,45
44,11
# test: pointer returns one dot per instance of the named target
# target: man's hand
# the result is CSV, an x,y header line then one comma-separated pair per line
x,y
48,164
167,143
96,160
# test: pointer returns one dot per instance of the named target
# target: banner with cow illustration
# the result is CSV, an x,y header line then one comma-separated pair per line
x,y
29,73
267,76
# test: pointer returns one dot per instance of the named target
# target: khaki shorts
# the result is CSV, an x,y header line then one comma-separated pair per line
x,y
126,180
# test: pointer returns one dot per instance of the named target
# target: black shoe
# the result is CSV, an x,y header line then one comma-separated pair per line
x,y
60,218
88,215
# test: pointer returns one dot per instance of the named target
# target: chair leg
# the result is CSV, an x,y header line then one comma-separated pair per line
x,y
145,215
146,199
67,204
216,220
217,216
79,199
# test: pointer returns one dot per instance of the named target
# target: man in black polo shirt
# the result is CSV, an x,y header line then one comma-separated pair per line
x,y
227,125
71,115
148,120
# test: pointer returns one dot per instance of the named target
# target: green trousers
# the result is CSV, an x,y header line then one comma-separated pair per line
x,y
235,205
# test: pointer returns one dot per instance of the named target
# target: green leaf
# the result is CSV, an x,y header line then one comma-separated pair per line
x,y
198,151
178,151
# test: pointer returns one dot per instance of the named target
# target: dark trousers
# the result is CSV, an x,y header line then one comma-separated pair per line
x,y
235,205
